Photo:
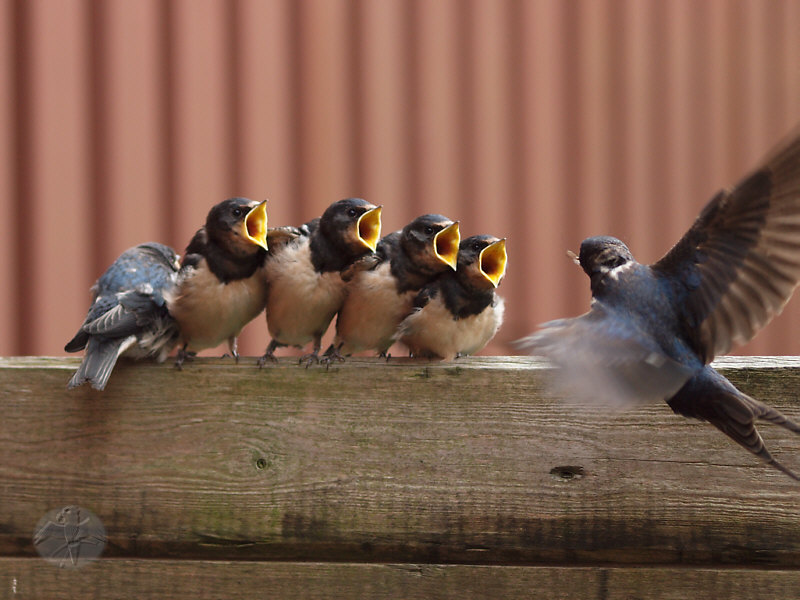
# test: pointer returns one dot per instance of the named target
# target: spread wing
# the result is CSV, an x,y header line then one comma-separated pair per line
x,y
602,358
739,263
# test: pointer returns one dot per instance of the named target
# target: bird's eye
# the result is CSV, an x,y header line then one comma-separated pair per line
x,y
237,212
476,246
428,229
352,212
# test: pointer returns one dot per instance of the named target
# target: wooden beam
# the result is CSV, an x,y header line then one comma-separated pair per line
x,y
122,579
401,462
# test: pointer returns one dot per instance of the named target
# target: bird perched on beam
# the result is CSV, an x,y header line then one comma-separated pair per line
x,y
305,282
128,314
652,330
459,312
220,286
381,290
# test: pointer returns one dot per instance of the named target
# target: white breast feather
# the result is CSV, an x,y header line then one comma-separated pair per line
x,y
615,272
372,311
432,331
210,312
301,301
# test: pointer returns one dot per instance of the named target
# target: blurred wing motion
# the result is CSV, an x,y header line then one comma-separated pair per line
x,y
602,359
740,261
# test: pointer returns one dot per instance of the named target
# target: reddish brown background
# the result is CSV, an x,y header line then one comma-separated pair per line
x,y
123,121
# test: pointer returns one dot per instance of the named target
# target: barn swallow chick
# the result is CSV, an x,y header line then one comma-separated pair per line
x,y
652,330
128,314
306,288
220,286
459,312
381,295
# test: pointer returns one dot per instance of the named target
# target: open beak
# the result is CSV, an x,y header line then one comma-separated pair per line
x,y
445,244
369,227
574,257
493,260
255,225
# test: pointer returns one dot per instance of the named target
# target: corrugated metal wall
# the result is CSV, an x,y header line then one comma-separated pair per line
x,y
545,121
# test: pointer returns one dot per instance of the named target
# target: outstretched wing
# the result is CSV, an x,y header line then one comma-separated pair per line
x,y
740,262
601,358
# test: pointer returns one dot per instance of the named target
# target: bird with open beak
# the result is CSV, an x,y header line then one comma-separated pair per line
x,y
128,315
305,282
220,286
652,330
381,290
459,312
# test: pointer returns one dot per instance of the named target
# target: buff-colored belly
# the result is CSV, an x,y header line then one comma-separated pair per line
x,y
371,312
433,332
301,301
209,312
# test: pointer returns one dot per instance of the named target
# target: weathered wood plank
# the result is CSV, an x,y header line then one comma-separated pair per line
x,y
174,579
404,462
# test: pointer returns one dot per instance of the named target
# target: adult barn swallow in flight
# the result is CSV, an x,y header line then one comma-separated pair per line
x,y
459,312
128,314
652,330
380,292
305,283
220,287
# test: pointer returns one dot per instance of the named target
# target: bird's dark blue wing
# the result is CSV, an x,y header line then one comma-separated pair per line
x,y
737,266
602,358
133,310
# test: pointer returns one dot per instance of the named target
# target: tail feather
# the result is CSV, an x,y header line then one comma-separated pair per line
x,y
773,416
99,361
712,398
78,342
747,436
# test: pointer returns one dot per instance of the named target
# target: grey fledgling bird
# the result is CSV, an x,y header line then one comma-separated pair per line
x,y
128,314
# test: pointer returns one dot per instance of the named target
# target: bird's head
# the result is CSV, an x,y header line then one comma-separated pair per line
x,y
353,221
239,224
432,242
601,254
482,261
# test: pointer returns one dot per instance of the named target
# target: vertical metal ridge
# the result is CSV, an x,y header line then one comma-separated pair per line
x,y
23,286
465,107
233,117
355,57
167,141
413,167
98,117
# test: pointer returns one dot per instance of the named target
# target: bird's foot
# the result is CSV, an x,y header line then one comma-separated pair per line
x,y
384,354
182,357
310,358
235,356
268,356
331,355
269,353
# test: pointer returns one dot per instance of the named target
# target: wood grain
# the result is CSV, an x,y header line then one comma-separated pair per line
x,y
399,462
112,579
